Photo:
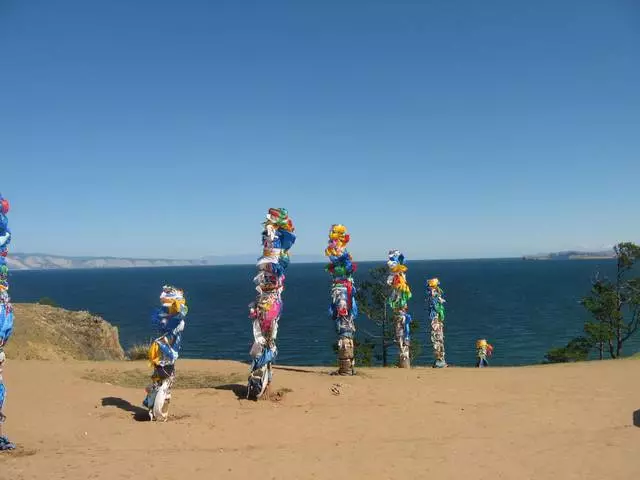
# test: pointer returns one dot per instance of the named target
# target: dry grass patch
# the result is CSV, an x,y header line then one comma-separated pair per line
x,y
280,394
139,378
274,395
20,451
139,351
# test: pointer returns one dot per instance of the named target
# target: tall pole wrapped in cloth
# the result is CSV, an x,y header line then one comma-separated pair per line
x,y
483,350
343,309
398,301
6,310
164,351
435,306
265,311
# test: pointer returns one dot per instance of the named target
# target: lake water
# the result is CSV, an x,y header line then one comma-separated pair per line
x,y
522,307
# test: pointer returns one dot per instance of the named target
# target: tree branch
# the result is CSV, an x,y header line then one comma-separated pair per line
x,y
633,324
371,335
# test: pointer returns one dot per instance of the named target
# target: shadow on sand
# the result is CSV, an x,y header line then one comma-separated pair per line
x,y
296,369
636,418
139,414
239,390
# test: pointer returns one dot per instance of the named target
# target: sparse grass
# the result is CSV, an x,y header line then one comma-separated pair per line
x,y
279,394
138,351
275,396
20,451
185,379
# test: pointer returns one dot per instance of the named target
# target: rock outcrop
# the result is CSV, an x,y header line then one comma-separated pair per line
x,y
49,333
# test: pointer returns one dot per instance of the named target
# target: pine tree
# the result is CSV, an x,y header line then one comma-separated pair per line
x,y
615,307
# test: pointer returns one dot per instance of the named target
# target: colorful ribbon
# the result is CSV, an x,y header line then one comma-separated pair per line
x,y
435,306
344,308
6,309
169,319
483,350
398,301
265,311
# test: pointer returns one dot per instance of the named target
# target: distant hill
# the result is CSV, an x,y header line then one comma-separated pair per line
x,y
31,261
572,255
251,258
43,261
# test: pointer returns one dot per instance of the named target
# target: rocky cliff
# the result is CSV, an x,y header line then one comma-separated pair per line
x,y
48,333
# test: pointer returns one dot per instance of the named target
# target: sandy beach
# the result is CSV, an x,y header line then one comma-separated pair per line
x,y
563,421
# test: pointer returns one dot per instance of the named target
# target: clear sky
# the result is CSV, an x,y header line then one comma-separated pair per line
x,y
447,129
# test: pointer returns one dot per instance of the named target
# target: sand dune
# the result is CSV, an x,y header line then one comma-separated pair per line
x,y
555,422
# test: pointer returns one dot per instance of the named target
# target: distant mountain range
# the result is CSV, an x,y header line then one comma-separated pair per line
x,y
42,261
572,255
251,258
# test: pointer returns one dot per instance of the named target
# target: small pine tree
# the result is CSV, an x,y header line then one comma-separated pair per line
x,y
615,307
576,350
372,295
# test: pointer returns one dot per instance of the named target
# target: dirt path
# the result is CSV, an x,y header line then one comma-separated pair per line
x,y
556,422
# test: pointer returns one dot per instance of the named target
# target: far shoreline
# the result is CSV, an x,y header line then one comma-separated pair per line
x,y
447,260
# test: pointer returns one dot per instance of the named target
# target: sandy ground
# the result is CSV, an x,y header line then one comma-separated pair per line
x,y
547,422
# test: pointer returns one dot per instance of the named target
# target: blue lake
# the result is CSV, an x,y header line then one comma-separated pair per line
x,y
522,307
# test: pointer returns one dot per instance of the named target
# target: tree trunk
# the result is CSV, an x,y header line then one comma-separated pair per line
x,y
384,344
611,352
619,340
619,317
601,350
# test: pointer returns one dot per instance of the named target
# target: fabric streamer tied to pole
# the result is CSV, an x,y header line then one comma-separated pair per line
x,y
265,311
344,308
435,307
164,351
6,311
398,301
483,350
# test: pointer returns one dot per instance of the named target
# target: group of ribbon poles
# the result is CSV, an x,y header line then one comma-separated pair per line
x,y
265,311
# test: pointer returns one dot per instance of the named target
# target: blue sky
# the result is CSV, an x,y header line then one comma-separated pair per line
x,y
447,129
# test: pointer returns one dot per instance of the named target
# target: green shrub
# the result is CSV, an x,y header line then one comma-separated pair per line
x,y
577,350
48,301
